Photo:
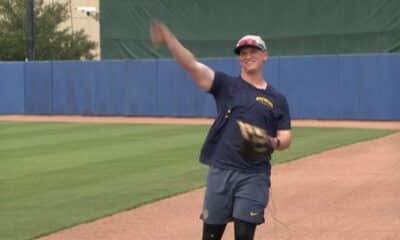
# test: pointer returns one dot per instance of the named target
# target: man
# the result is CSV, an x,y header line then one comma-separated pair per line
x,y
253,120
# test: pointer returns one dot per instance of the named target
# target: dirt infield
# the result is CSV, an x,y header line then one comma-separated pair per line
x,y
169,120
351,192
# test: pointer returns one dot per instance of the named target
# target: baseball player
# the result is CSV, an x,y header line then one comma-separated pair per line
x,y
253,120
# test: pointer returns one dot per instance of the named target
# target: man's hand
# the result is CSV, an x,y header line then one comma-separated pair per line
x,y
158,33
275,142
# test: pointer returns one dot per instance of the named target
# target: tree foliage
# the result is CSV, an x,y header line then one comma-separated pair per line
x,y
51,42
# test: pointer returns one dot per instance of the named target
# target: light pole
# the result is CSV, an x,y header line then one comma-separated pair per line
x,y
30,32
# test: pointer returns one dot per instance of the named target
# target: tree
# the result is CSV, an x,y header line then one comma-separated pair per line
x,y
51,42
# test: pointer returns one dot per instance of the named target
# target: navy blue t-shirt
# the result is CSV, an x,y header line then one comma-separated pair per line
x,y
236,99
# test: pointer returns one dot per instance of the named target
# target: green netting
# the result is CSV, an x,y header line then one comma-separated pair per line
x,y
290,27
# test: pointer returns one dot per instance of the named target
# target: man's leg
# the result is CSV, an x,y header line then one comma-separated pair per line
x,y
244,230
251,199
213,231
217,206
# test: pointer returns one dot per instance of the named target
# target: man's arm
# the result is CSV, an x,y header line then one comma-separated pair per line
x,y
202,74
282,140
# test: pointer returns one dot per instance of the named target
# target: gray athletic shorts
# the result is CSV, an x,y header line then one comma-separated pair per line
x,y
233,195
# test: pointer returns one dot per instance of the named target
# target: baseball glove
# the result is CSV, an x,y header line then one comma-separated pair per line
x,y
255,141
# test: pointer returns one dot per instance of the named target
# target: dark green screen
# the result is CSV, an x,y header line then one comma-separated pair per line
x,y
210,28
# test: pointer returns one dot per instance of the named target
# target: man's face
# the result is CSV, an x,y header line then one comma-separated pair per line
x,y
252,59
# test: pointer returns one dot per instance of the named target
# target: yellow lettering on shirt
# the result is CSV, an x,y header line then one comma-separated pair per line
x,y
265,101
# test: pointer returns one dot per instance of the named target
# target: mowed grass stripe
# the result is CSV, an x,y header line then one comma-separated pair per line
x,y
93,204
7,136
122,167
96,172
125,181
89,177
49,157
11,129
58,134
71,140
64,208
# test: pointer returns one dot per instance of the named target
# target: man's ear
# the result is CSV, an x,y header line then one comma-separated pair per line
x,y
266,56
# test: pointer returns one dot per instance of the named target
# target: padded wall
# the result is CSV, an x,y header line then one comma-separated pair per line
x,y
12,75
317,87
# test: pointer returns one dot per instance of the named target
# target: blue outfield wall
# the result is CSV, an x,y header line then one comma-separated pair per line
x,y
38,90
12,75
317,87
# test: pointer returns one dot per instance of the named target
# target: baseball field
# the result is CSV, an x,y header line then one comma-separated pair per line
x,y
55,175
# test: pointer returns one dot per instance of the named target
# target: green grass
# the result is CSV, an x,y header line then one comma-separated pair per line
x,y
307,141
56,175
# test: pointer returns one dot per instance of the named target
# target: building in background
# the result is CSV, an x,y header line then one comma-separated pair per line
x,y
84,14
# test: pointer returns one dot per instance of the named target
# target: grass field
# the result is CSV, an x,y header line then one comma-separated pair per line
x,y
55,175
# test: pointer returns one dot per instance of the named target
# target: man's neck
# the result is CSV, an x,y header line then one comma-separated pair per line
x,y
256,79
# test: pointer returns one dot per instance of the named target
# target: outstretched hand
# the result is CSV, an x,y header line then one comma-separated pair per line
x,y
158,32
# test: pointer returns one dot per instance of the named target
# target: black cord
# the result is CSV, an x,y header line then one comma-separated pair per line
x,y
273,213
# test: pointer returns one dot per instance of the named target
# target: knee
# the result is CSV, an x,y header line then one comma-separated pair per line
x,y
244,230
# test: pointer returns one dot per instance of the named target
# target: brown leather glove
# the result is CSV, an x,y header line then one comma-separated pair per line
x,y
255,140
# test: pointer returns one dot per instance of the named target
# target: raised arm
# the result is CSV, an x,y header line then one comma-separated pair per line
x,y
202,74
